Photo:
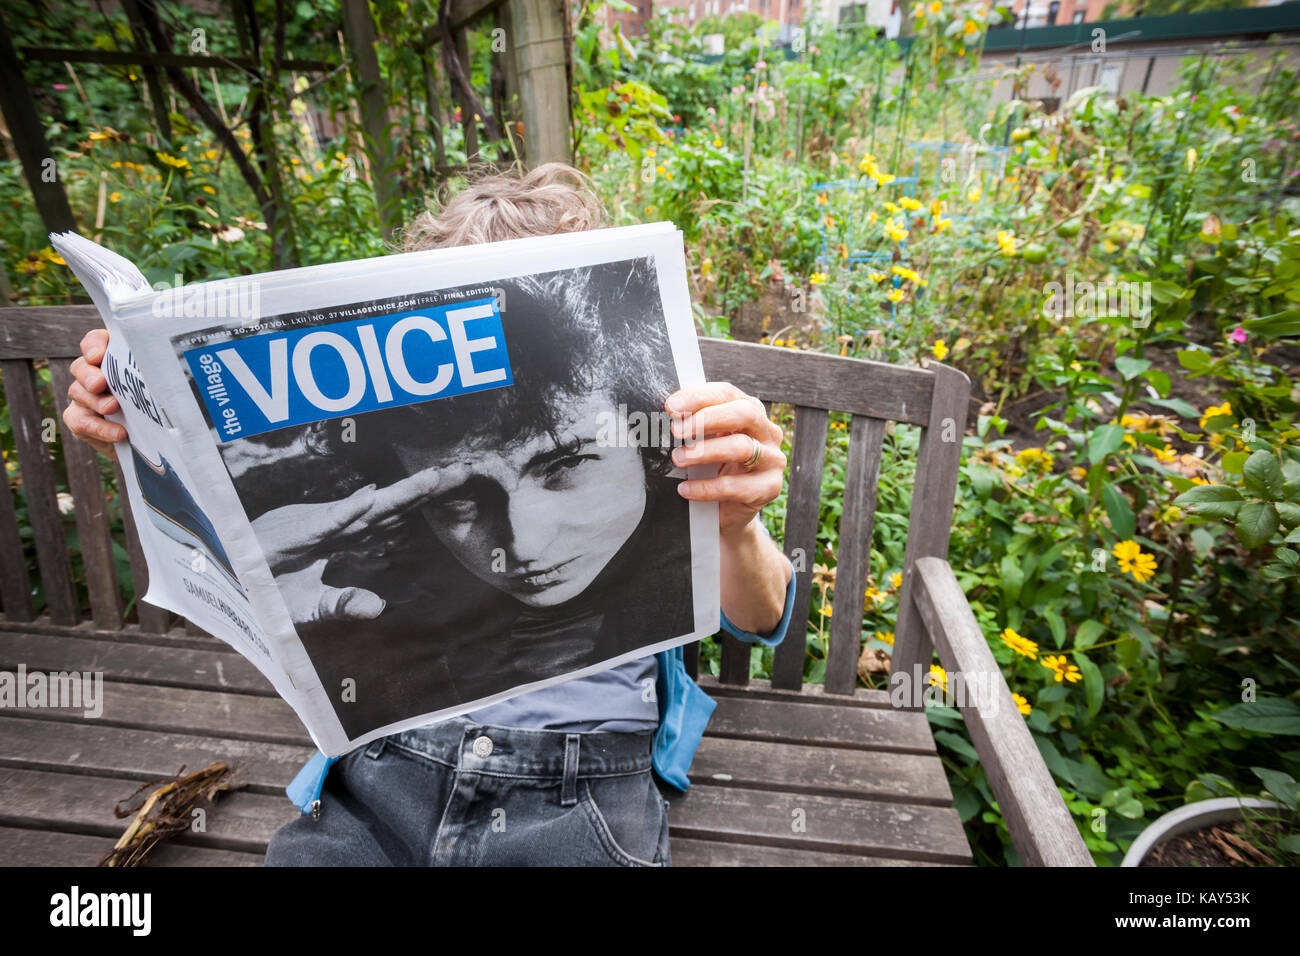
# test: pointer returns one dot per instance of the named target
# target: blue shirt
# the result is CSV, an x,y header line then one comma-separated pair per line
x,y
683,709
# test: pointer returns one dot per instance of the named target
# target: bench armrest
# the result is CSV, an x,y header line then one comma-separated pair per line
x,y
1042,830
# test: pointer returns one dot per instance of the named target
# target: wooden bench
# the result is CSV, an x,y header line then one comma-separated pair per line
x,y
788,773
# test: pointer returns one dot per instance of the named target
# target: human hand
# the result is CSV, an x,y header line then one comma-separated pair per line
x,y
722,424
90,399
291,536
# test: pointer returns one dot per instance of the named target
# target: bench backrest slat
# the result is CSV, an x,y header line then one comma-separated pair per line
x,y
802,519
857,521
94,536
39,488
15,584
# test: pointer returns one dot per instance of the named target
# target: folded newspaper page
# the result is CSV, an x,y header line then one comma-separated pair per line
x,y
409,487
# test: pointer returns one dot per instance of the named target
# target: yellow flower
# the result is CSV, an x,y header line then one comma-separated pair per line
x,y
1034,459
907,202
1166,455
884,179
940,350
209,190
1191,160
892,207
1076,367
896,295
896,580
817,278
886,636
49,255
1170,514
173,161
1063,669
1133,560
895,230
936,208
1007,242
876,276
213,154
706,267
1021,645
822,199
829,220
910,275
970,27
826,610
1216,410
843,250
660,169
114,197
973,194
941,224
873,597
935,8
1022,705
872,218
939,676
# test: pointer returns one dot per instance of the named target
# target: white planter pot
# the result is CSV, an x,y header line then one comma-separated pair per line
x,y
1193,816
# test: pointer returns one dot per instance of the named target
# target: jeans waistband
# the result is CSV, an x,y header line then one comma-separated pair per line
x,y
466,745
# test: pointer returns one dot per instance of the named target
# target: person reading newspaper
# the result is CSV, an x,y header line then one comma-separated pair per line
x,y
564,774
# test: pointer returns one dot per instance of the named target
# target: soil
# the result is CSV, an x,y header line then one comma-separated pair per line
x,y
1223,844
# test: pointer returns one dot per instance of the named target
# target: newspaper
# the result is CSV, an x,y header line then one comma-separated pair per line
x,y
411,486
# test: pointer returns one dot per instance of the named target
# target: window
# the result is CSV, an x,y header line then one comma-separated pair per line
x,y
1053,11
1078,16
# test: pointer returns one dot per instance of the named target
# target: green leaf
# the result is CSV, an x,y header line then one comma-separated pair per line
x,y
1012,579
1194,360
1122,521
1212,501
1057,625
1256,522
1281,785
1088,633
1262,475
1275,326
1267,715
1234,461
1130,809
1178,405
1202,540
1131,368
1104,441
1094,688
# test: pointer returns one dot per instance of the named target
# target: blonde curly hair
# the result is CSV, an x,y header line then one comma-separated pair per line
x,y
550,199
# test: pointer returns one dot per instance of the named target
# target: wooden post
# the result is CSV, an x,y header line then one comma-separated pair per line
x,y
151,80
539,51
29,140
359,29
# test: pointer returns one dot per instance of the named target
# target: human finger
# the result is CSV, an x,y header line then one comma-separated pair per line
x,y
104,404
725,449
93,346
90,377
93,429
745,414
752,489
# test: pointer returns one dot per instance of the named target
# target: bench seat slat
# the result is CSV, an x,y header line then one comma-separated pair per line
x,y
854,727
92,748
55,848
79,804
828,824
166,666
691,852
795,768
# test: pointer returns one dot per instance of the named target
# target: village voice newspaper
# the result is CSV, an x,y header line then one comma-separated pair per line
x,y
411,486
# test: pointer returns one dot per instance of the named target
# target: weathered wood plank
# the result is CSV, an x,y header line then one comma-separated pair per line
x,y
45,331
857,727
91,511
688,852
15,583
802,513
128,634
826,824
137,663
795,377
759,689
1042,830
78,804
91,748
54,848
736,655
853,560
180,710
828,771
933,496
39,487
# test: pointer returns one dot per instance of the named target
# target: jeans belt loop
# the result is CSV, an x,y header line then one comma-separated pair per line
x,y
569,791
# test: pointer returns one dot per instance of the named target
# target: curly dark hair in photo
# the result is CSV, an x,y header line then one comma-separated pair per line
x,y
568,334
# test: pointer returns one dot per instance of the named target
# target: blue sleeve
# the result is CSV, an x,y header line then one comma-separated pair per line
x,y
777,635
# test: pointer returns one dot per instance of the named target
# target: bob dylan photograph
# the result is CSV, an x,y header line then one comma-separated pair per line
x,y
439,553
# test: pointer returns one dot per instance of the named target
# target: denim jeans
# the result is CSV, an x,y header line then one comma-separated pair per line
x,y
460,793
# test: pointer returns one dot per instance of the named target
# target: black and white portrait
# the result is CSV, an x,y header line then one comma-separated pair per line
x,y
440,553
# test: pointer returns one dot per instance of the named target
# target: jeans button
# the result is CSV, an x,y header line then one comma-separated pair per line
x,y
482,746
